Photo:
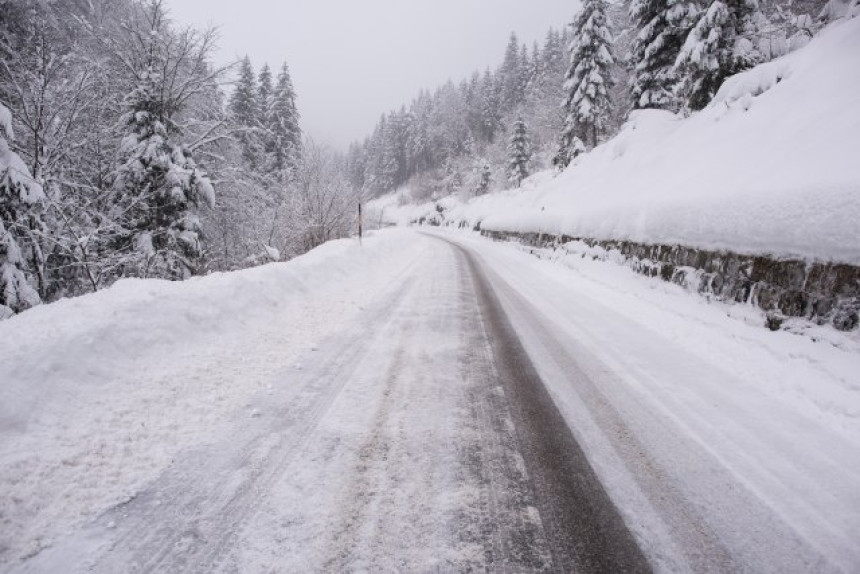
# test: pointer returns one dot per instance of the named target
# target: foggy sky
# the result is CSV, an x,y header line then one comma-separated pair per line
x,y
352,60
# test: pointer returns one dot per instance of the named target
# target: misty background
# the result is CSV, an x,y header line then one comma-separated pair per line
x,y
131,147
351,61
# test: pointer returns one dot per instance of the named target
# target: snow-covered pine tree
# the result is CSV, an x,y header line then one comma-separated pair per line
x,y
511,75
490,106
21,202
285,123
719,45
483,176
662,27
264,114
244,106
588,78
472,103
355,165
243,101
553,51
519,153
536,71
264,96
526,72
156,186
386,173
416,142
373,150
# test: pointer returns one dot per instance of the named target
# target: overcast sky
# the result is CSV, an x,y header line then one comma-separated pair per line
x,y
351,60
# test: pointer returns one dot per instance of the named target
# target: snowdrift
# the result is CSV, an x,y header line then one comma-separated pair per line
x,y
85,341
771,167
98,393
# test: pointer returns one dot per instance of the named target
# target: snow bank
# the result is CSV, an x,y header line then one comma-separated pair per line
x,y
397,208
770,167
97,393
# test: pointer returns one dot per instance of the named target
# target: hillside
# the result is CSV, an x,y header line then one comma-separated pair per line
x,y
769,167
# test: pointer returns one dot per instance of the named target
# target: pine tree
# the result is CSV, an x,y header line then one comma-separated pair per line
x,y
386,176
244,100
156,186
536,71
398,126
264,96
662,27
511,75
355,165
717,47
483,176
554,50
519,153
526,72
265,129
381,164
491,107
21,202
588,79
245,108
417,155
285,123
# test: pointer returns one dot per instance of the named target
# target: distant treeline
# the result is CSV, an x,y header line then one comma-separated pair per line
x,y
546,103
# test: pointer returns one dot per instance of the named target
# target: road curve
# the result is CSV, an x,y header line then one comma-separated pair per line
x,y
420,438
585,530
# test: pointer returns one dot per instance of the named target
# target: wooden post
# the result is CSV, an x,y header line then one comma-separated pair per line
x,y
360,222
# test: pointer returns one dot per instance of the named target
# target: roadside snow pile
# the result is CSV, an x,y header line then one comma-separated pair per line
x,y
770,167
98,393
397,208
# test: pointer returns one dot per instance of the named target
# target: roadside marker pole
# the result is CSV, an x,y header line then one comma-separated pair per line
x,y
359,223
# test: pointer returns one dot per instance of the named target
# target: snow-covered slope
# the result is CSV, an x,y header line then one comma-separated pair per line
x,y
98,393
772,166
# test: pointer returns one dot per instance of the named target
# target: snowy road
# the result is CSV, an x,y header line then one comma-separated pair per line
x,y
483,413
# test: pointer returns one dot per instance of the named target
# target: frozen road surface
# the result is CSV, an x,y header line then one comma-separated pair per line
x,y
482,410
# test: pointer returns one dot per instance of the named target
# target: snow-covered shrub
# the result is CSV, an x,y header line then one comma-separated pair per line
x,y
21,199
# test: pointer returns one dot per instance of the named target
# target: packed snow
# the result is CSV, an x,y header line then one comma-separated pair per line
x,y
781,413
100,392
716,439
752,433
769,167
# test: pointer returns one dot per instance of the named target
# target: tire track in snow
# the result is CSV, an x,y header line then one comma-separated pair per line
x,y
186,521
508,523
585,530
407,458
373,461
701,548
458,490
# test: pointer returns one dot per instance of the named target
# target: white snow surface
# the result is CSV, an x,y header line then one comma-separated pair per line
x,y
779,412
754,433
771,166
749,435
98,393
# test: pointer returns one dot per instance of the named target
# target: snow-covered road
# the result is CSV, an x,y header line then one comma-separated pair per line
x,y
481,409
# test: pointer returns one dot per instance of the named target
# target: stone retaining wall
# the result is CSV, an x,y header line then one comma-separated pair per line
x,y
820,292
